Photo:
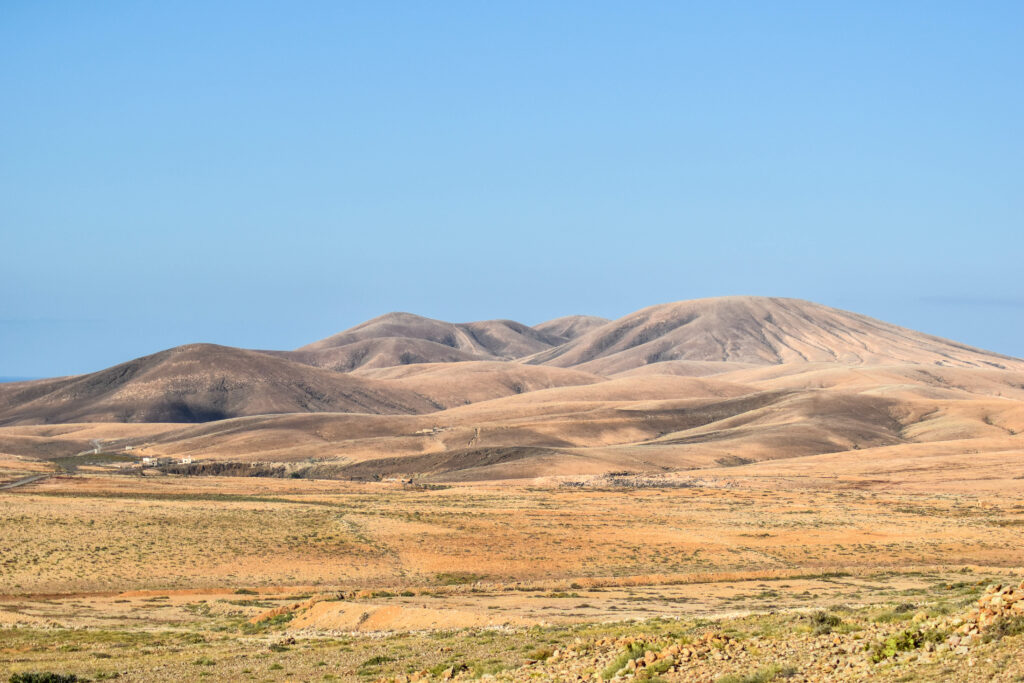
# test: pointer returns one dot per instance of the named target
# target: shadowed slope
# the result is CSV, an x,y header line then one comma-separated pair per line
x,y
200,383
696,384
655,423
758,330
508,339
571,326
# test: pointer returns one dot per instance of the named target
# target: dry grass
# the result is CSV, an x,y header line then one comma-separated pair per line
x,y
151,578
90,533
150,637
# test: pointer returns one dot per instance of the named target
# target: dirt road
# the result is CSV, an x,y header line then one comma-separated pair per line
x,y
26,480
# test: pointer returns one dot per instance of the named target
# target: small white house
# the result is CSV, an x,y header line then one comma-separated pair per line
x,y
186,461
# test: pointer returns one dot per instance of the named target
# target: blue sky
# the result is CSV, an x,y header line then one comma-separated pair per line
x,y
265,174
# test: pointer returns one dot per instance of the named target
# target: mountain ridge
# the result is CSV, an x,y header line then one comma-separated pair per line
x,y
359,370
401,338
200,383
759,330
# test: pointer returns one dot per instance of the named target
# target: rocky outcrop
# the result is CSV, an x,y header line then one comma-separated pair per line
x,y
864,652
997,611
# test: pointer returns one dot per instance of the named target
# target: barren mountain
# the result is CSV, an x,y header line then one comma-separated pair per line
x,y
651,424
757,330
200,383
693,384
455,384
384,352
508,339
404,338
571,326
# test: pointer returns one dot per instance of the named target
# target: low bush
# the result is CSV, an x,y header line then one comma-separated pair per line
x,y
904,641
769,673
632,652
1003,627
823,622
539,654
457,578
377,661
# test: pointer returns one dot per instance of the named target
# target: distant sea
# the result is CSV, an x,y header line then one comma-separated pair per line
x,y
16,379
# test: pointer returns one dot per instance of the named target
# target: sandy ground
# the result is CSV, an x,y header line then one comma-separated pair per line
x,y
177,576
111,533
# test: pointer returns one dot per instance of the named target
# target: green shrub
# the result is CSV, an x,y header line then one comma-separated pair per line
x,y
768,673
43,677
823,622
276,620
904,641
1003,627
890,616
539,654
457,578
650,673
487,667
632,652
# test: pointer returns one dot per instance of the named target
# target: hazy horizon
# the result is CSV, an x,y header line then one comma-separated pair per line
x,y
262,176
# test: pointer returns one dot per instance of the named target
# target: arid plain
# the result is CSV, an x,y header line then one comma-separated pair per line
x,y
735,489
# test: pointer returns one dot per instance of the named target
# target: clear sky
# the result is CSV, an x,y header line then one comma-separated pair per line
x,y
264,174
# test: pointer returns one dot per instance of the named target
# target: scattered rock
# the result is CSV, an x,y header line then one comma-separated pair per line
x,y
808,658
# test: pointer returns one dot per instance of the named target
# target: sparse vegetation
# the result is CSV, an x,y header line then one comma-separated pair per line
x,y
769,673
631,652
824,622
405,550
910,639
1004,627
457,578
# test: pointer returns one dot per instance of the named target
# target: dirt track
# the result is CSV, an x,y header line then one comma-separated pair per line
x,y
22,482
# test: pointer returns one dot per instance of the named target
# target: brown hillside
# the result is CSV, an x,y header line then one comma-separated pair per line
x,y
404,338
711,383
652,424
508,339
892,380
200,383
687,368
571,326
381,353
758,330
455,384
